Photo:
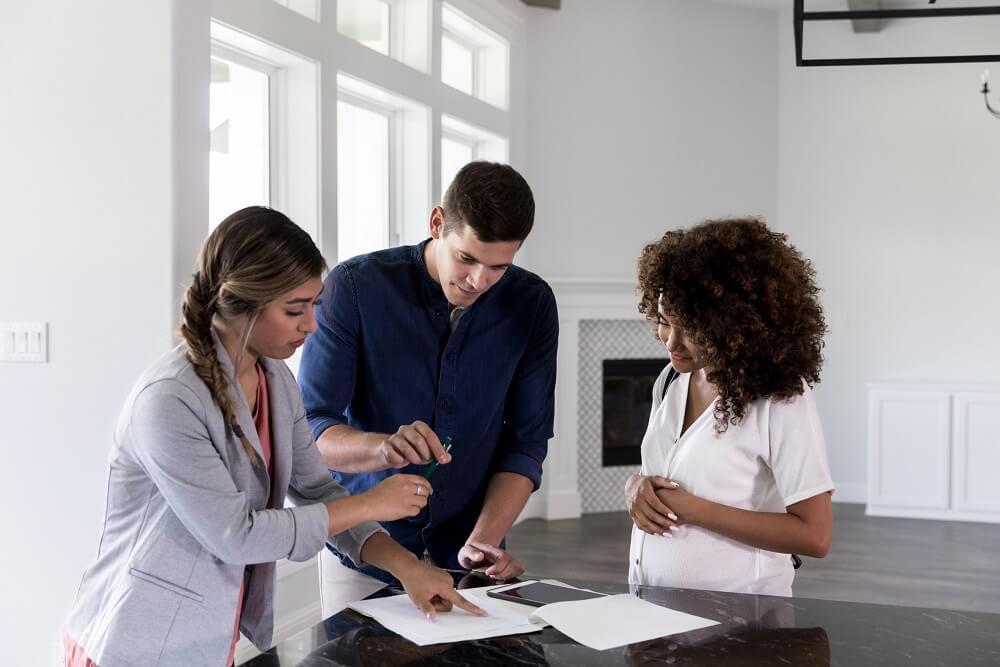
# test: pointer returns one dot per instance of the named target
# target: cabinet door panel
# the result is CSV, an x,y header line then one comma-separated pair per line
x,y
977,452
909,449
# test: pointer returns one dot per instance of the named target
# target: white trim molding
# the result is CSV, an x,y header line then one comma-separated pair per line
x,y
577,299
933,450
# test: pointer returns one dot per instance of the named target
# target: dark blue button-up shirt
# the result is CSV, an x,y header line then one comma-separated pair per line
x,y
384,356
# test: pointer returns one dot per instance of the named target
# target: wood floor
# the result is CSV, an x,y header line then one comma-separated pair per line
x,y
942,564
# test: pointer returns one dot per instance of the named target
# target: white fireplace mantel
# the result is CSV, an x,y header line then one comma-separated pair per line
x,y
577,299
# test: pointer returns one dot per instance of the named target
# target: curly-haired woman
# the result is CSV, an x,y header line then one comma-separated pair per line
x,y
734,473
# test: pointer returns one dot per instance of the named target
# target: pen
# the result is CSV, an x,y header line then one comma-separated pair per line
x,y
429,470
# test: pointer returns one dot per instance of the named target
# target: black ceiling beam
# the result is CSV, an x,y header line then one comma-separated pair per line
x,y
800,16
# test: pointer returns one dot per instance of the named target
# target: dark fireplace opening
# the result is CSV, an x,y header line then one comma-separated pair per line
x,y
627,392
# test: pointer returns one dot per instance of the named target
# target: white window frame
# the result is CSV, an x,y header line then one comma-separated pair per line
x,y
475,50
408,32
393,115
486,46
409,148
293,118
485,145
228,53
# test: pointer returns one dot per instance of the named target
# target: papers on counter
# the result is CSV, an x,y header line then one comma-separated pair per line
x,y
601,623
617,620
398,613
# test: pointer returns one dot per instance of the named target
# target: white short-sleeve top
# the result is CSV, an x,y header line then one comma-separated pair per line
x,y
775,457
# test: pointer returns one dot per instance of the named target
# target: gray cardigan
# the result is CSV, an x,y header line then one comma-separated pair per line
x,y
187,512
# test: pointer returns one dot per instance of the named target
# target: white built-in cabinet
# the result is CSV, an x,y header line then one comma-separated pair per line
x,y
934,452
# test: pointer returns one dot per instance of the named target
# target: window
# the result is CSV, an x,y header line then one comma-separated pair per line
x,y
264,113
366,21
455,153
474,59
239,117
462,143
458,62
363,182
383,182
399,29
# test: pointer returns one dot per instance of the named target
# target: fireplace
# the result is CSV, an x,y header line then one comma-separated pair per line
x,y
627,397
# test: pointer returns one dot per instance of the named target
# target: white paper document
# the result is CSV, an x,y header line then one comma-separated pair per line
x,y
600,623
399,614
616,620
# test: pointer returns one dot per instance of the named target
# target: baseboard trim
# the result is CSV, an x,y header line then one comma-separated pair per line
x,y
533,509
931,515
563,505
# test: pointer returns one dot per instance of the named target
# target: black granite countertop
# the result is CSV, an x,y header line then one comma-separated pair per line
x,y
753,630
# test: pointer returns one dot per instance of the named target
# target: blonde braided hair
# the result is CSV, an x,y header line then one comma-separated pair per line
x,y
253,257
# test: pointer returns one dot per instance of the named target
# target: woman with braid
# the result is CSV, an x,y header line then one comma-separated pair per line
x,y
211,440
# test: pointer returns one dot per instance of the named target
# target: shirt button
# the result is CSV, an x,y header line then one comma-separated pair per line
x,y
636,561
444,404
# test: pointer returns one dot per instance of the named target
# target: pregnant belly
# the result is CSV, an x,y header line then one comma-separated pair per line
x,y
697,558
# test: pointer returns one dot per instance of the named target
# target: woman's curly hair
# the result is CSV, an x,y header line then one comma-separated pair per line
x,y
747,299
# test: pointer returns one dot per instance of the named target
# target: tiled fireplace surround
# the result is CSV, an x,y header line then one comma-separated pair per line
x,y
597,320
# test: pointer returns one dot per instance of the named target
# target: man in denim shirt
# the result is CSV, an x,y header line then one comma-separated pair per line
x,y
445,338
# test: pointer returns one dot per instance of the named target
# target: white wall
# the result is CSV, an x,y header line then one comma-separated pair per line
x,y
643,116
647,115
97,213
888,180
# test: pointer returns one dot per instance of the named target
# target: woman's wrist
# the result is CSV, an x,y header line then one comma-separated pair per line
x,y
696,511
386,554
347,512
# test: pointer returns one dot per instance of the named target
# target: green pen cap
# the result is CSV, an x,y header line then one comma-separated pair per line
x,y
429,470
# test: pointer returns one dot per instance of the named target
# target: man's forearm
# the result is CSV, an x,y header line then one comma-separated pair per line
x,y
506,496
347,449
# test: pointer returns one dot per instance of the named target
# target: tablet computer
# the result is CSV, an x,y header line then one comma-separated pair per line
x,y
538,594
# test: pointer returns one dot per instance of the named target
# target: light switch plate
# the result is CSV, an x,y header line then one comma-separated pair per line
x,y
24,341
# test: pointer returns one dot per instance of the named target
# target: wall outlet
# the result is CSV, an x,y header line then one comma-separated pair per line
x,y
24,341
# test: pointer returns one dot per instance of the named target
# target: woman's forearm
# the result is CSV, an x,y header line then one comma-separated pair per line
x,y
347,512
386,554
806,529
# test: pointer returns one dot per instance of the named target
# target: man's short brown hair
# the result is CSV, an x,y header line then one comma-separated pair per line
x,y
491,198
